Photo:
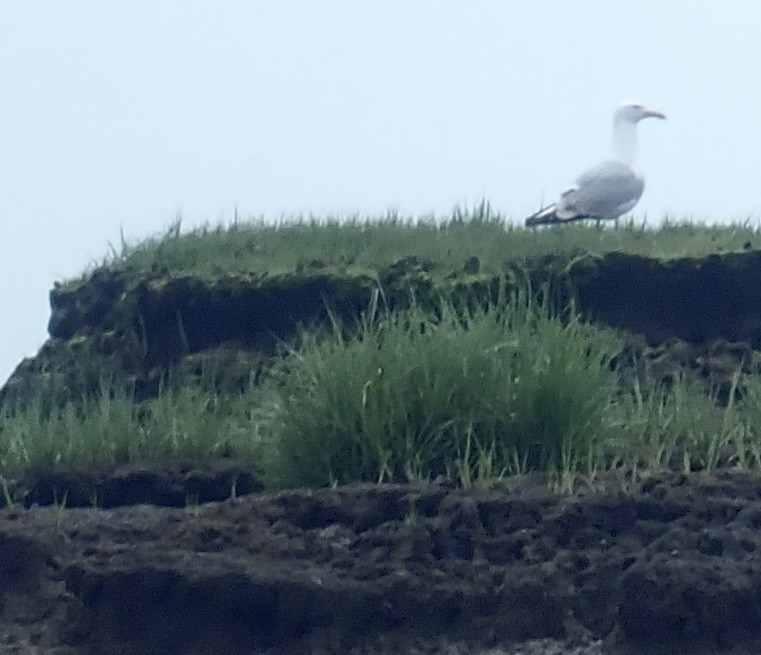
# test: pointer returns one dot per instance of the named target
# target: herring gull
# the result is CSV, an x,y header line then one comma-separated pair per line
x,y
611,188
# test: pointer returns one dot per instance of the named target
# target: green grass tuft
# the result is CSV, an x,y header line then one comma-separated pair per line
x,y
187,422
510,389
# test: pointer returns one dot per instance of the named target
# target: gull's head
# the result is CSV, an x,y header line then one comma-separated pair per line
x,y
634,112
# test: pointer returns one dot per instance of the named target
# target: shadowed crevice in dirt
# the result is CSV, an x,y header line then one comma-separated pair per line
x,y
698,300
189,315
164,483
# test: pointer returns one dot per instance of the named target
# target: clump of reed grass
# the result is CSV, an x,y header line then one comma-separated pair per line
x,y
505,389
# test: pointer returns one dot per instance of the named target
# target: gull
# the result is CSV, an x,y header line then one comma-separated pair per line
x,y
612,187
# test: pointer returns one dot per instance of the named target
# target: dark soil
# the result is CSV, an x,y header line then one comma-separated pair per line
x,y
672,564
163,483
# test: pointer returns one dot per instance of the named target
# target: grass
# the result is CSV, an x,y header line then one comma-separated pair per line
x,y
187,422
682,428
506,389
408,396
370,244
401,396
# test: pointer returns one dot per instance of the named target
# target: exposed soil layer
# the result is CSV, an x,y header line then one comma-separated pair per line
x,y
673,563
695,299
112,324
166,484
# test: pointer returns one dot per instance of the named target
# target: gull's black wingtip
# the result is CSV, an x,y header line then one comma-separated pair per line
x,y
548,216
545,216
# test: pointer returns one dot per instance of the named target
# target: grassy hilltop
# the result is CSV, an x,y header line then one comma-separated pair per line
x,y
324,352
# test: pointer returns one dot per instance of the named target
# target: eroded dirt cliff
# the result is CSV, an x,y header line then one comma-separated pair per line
x,y
702,313
129,565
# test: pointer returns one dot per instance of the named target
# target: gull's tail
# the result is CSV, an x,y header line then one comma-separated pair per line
x,y
548,216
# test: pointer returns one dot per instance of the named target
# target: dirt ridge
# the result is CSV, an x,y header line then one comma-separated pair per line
x,y
675,561
141,329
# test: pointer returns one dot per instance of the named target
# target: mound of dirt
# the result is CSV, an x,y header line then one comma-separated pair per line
x,y
673,564
670,565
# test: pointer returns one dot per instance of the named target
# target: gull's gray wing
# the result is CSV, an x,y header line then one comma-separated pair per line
x,y
604,191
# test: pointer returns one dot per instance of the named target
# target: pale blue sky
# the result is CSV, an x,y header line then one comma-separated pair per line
x,y
117,115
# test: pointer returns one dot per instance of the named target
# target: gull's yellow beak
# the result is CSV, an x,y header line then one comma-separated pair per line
x,y
654,113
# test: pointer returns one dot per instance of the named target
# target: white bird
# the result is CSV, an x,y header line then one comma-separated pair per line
x,y
611,188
